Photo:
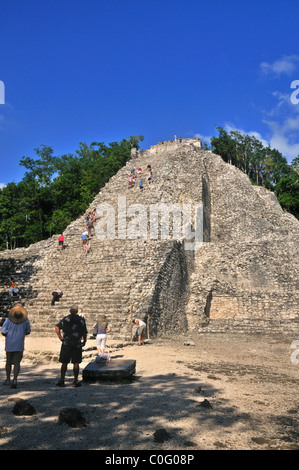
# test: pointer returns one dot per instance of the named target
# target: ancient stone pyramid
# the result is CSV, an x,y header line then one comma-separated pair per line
x,y
244,276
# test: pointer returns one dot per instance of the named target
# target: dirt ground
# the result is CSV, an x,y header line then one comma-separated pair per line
x,y
249,384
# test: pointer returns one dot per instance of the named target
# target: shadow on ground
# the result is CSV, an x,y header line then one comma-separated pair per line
x,y
118,415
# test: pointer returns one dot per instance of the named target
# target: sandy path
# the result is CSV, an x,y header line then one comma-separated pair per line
x,y
250,382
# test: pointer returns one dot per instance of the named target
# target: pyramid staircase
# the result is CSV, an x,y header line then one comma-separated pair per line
x,y
117,278
245,276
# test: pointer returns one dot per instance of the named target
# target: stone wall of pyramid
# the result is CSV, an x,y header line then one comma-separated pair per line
x,y
241,274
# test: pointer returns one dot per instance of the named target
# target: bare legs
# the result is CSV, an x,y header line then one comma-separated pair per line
x,y
75,370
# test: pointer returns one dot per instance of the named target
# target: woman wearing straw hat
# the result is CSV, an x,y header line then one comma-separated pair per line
x,y
15,328
102,327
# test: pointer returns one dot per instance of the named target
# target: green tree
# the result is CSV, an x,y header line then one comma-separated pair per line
x,y
57,189
287,192
295,164
224,146
42,168
264,166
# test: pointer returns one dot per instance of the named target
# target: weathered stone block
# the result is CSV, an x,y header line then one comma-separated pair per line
x,y
114,370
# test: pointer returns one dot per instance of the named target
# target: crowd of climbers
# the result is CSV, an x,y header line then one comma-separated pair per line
x,y
71,329
89,231
136,174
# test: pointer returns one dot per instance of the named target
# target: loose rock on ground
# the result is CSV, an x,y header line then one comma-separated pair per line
x,y
249,382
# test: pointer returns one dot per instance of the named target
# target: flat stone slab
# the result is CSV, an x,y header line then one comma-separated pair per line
x,y
116,369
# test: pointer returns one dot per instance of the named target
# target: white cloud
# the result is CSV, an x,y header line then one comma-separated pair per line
x,y
285,136
289,124
283,125
282,136
282,118
204,138
286,65
288,149
2,185
282,106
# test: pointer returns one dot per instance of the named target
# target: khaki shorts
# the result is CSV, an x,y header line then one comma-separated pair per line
x,y
141,330
14,357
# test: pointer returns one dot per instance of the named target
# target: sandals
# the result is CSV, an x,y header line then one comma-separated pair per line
x,y
76,384
60,383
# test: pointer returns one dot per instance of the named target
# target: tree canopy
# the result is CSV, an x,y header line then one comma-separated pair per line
x,y
57,189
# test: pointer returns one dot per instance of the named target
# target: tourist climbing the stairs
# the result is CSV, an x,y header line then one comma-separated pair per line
x,y
13,290
94,215
150,177
90,229
84,236
86,247
131,181
60,241
56,296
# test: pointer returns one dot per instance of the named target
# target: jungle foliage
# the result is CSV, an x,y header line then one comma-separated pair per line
x,y
264,166
55,190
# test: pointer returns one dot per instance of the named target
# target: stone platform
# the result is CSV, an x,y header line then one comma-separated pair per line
x,y
116,369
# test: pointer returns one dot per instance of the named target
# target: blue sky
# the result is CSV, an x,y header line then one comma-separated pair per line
x,y
102,70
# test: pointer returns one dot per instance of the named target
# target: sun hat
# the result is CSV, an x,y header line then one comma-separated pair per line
x,y
18,314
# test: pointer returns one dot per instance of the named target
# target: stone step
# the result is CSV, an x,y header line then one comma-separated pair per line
x,y
153,274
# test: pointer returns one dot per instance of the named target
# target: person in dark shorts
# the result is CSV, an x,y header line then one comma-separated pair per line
x,y
74,329
60,241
